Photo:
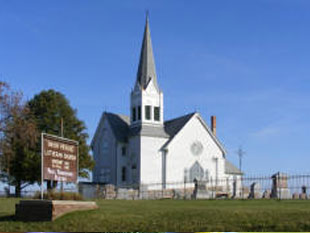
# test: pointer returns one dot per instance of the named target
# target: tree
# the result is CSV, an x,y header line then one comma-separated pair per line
x,y
19,162
49,108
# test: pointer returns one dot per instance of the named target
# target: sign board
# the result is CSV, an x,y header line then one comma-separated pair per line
x,y
59,158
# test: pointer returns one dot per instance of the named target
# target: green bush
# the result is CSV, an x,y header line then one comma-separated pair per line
x,y
59,196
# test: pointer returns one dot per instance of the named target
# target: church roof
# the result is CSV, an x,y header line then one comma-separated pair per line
x,y
120,126
173,126
146,70
146,130
231,169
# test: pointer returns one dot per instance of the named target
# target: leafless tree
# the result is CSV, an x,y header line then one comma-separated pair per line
x,y
18,138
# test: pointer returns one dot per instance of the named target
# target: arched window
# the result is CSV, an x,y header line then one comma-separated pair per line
x,y
196,172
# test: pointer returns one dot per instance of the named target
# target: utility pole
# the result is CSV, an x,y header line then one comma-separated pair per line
x,y
62,135
240,153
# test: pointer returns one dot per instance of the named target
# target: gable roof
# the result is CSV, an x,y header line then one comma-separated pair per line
x,y
119,124
231,169
174,126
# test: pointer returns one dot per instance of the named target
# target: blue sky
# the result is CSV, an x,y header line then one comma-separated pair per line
x,y
247,62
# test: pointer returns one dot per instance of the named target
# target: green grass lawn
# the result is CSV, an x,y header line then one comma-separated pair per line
x,y
172,215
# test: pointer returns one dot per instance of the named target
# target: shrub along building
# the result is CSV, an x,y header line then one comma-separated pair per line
x,y
144,149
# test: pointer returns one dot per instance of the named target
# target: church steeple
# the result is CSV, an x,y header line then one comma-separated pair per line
x,y
146,99
146,71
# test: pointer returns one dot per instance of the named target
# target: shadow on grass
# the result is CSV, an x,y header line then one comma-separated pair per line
x,y
7,218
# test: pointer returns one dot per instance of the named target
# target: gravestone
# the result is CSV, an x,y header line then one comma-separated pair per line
x,y
295,196
255,191
266,194
143,192
109,191
279,186
303,194
200,191
122,194
244,192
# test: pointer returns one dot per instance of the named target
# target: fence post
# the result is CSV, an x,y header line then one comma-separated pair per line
x,y
280,181
212,196
227,187
242,194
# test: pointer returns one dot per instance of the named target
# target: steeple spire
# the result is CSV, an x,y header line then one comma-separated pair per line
x,y
146,99
146,71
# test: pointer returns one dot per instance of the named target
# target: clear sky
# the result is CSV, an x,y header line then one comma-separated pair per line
x,y
247,62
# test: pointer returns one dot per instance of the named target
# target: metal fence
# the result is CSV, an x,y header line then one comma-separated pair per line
x,y
26,193
279,185
29,193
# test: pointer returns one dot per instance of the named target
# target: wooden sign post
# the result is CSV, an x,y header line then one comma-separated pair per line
x,y
59,159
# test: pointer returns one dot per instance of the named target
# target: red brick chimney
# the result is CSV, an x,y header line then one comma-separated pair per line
x,y
213,125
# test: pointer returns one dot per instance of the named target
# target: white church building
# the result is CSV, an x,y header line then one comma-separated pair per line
x,y
144,149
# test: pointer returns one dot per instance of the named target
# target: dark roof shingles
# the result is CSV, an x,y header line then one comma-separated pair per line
x,y
119,125
173,126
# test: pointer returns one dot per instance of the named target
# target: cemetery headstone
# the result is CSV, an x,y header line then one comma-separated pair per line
x,y
266,194
295,196
255,191
200,191
279,186
303,194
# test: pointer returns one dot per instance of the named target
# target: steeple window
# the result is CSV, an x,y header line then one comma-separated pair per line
x,y
148,112
133,114
156,113
139,113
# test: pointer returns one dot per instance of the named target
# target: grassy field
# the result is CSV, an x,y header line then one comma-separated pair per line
x,y
172,215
